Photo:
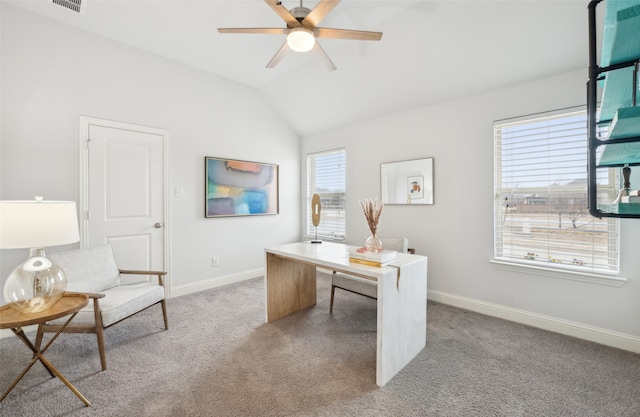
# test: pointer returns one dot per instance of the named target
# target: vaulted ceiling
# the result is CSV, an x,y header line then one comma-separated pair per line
x,y
431,51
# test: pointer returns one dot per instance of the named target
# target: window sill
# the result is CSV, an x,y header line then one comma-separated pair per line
x,y
325,239
593,278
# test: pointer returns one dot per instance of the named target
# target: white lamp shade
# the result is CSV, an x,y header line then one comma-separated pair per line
x,y
301,40
37,224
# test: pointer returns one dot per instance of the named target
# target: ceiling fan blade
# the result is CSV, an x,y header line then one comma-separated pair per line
x,y
319,12
282,11
347,34
279,55
268,31
319,51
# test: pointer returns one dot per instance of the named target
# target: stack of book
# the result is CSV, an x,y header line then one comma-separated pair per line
x,y
365,257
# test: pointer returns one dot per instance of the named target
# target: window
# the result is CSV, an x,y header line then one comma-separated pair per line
x,y
541,206
326,172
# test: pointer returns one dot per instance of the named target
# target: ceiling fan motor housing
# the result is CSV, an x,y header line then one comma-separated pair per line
x,y
300,13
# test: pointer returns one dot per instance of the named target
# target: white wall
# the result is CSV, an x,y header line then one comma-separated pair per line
x,y
53,74
456,233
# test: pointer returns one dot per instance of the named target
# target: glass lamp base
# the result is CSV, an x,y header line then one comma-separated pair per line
x,y
35,285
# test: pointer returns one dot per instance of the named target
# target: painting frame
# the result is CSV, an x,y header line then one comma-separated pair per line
x,y
235,187
396,178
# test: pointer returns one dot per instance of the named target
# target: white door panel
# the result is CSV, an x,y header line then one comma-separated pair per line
x,y
128,189
126,194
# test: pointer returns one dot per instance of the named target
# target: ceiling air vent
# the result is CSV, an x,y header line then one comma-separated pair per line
x,y
73,5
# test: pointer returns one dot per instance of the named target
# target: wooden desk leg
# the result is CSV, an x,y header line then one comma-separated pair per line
x,y
291,286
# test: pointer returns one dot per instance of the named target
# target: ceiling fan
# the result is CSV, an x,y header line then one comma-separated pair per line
x,y
302,30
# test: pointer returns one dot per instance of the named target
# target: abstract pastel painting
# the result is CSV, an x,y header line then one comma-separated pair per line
x,y
240,188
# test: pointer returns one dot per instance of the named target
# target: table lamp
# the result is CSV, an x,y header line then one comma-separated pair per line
x,y
38,283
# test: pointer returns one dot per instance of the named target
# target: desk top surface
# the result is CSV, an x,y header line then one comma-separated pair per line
x,y
68,304
336,255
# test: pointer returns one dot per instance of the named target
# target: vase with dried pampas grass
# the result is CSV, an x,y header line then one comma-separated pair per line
x,y
372,213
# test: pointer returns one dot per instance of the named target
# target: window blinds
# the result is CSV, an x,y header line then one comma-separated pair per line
x,y
326,176
541,211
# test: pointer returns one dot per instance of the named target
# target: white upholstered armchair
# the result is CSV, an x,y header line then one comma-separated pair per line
x,y
93,271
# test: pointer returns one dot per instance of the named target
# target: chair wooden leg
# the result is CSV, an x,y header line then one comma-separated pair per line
x,y
333,290
101,348
99,329
164,314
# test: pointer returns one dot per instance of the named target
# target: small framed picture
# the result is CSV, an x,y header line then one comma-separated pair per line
x,y
415,187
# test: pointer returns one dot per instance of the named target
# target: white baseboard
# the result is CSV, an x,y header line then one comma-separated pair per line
x,y
581,331
179,290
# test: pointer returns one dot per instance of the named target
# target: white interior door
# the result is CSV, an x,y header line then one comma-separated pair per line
x,y
125,192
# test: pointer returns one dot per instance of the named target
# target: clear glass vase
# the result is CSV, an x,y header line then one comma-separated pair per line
x,y
373,244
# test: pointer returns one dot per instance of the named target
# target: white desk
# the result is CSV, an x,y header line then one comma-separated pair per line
x,y
290,282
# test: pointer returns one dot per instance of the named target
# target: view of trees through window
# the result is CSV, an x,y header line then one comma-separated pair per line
x,y
541,209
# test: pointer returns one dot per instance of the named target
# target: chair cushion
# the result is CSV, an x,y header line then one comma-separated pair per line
x,y
355,284
89,270
118,303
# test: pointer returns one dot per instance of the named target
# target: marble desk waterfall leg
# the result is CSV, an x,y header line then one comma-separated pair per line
x,y
402,319
402,303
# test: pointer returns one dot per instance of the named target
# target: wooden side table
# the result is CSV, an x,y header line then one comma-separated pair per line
x,y
70,303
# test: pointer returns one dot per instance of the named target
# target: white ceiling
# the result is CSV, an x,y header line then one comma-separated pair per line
x,y
431,51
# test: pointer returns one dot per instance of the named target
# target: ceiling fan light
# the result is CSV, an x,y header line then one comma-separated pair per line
x,y
301,40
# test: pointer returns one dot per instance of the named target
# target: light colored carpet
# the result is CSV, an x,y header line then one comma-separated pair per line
x,y
219,358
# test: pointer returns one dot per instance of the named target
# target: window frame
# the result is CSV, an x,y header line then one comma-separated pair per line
x,y
338,233
564,270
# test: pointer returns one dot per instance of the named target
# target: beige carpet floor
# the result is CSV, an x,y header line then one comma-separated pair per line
x,y
219,358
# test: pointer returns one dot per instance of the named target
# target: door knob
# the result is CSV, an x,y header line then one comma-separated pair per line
x,y
158,225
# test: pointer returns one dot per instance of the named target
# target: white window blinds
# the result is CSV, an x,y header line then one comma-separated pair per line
x,y
326,172
541,211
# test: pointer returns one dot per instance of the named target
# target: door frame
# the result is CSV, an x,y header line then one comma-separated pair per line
x,y
83,203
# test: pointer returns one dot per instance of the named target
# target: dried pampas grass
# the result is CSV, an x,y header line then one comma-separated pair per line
x,y
372,213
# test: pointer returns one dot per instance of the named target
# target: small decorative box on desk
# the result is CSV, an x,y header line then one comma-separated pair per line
x,y
365,257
